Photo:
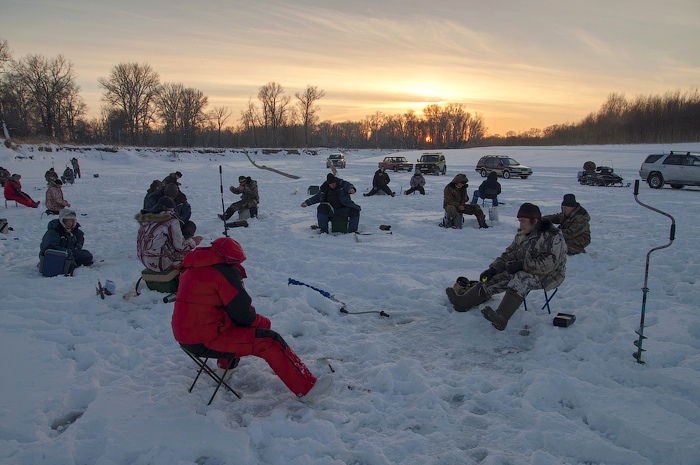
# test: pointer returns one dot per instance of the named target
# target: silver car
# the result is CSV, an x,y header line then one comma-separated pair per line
x,y
674,168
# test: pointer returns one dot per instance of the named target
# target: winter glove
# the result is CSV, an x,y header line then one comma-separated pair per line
x,y
486,275
514,267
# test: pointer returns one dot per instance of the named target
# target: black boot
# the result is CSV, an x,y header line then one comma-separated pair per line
x,y
482,221
229,213
499,318
476,295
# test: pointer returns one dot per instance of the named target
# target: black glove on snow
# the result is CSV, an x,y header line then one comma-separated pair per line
x,y
514,267
486,275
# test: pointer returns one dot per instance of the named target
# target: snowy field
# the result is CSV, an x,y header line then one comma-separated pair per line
x,y
89,381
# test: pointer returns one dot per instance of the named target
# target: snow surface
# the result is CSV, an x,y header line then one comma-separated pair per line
x,y
91,381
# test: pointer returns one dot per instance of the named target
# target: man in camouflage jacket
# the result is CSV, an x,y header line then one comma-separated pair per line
x,y
574,223
536,259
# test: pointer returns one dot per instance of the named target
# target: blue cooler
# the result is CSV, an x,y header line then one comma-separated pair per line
x,y
54,262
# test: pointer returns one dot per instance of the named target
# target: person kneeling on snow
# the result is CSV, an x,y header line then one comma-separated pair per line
x,y
64,234
213,317
160,244
536,259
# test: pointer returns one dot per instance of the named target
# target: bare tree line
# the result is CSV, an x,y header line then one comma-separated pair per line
x,y
40,98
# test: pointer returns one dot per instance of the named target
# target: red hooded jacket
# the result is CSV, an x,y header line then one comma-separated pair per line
x,y
211,296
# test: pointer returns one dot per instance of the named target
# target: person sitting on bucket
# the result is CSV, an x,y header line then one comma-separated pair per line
x,y
334,198
574,222
248,190
536,259
213,317
54,198
455,202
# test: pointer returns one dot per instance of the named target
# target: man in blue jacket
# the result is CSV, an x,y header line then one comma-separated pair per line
x,y
334,199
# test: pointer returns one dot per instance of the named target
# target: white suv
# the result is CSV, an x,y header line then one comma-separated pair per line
x,y
676,169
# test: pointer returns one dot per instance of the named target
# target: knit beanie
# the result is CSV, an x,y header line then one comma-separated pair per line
x,y
166,202
569,201
330,179
529,210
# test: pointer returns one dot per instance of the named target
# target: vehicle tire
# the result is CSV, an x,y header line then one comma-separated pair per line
x,y
676,186
656,181
396,169
506,174
483,173
444,170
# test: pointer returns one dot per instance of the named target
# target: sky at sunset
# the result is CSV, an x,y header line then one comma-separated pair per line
x,y
520,65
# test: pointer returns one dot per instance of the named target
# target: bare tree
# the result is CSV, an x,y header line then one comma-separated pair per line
x,y
274,110
5,54
50,90
308,108
132,88
219,115
192,116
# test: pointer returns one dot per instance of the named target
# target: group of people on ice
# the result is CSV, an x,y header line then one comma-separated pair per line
x,y
213,315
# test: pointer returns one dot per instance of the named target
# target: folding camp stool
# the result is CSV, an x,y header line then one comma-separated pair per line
x,y
204,368
10,200
547,299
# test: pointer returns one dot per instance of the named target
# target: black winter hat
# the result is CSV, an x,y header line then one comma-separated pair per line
x,y
330,179
569,201
529,210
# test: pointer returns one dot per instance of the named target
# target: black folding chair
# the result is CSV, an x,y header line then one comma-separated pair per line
x,y
204,368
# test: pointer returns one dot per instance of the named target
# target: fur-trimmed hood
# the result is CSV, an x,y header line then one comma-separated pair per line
x,y
144,216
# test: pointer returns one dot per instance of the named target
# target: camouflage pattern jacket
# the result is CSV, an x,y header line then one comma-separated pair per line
x,y
160,244
576,229
542,252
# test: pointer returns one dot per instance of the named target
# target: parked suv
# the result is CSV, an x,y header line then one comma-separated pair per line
x,y
504,166
676,169
396,164
432,163
336,159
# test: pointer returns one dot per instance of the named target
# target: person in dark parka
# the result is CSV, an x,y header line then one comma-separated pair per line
x,y
64,234
334,198
489,189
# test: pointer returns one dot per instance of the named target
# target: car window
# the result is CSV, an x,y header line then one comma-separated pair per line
x,y
696,161
690,161
673,160
510,162
652,158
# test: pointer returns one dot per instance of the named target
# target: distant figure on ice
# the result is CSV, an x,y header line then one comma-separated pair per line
x,y
248,190
417,182
574,223
54,198
455,204
489,189
536,259
64,234
68,176
160,244
173,178
76,166
213,317
380,182
13,191
334,199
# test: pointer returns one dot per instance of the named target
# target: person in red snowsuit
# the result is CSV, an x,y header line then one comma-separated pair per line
x,y
13,191
213,317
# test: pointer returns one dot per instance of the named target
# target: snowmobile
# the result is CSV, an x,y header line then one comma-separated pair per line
x,y
593,175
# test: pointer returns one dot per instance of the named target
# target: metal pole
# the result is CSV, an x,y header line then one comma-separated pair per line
x,y
223,208
645,289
